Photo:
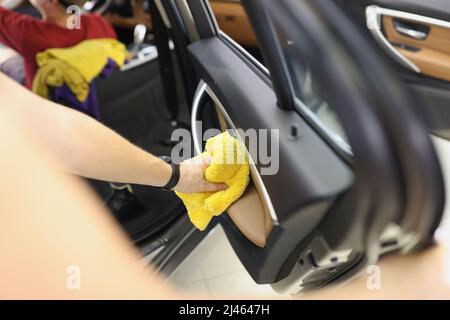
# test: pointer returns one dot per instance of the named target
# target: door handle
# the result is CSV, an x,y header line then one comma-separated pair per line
x,y
373,17
410,31
418,35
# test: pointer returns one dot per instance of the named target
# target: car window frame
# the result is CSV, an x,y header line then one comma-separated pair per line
x,y
334,140
276,71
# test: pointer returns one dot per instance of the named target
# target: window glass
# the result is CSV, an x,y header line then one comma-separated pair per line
x,y
233,21
306,89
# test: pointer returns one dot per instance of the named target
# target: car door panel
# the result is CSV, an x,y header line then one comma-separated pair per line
x,y
433,8
431,85
303,189
251,104
430,52
322,215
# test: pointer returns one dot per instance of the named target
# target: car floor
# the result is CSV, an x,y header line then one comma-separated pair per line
x,y
214,270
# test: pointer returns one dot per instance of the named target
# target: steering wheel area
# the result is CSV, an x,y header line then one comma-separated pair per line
x,y
97,6
10,4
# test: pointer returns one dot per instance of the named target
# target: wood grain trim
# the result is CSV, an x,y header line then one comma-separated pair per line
x,y
433,58
431,62
438,38
232,20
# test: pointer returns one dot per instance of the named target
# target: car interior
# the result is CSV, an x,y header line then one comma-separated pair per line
x,y
354,183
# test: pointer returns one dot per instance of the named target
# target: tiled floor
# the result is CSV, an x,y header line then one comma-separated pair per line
x,y
213,269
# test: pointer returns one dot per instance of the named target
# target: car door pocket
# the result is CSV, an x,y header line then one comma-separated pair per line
x,y
253,213
250,213
251,217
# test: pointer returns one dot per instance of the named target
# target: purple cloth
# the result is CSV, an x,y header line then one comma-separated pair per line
x,y
90,106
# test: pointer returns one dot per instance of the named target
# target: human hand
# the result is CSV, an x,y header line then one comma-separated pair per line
x,y
140,15
192,177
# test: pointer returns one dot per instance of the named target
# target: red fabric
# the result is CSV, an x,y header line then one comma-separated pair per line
x,y
29,36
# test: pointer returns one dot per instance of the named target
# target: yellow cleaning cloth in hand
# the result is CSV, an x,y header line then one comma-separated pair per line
x,y
229,165
76,66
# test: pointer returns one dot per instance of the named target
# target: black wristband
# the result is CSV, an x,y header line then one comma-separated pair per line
x,y
175,178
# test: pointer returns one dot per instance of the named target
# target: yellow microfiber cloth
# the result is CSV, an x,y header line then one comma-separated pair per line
x,y
76,66
229,165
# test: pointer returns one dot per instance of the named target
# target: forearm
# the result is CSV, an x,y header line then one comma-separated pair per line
x,y
128,22
54,224
84,146
95,151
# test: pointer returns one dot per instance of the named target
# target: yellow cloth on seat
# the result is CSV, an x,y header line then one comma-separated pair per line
x,y
229,165
76,66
